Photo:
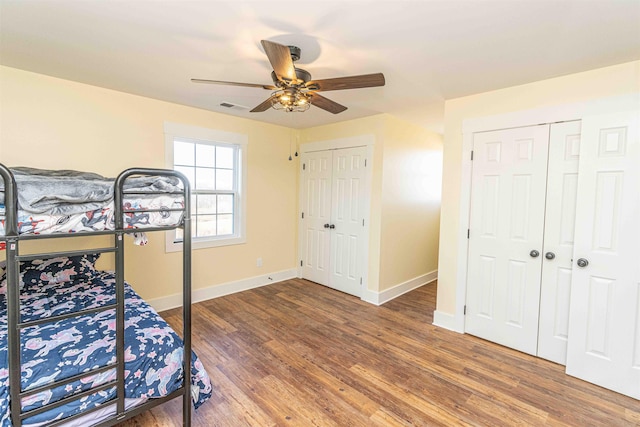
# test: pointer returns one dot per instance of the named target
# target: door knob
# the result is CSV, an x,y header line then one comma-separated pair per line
x,y
332,226
582,262
326,226
534,253
549,255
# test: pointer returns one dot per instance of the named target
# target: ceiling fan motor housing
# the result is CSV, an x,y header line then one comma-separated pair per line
x,y
295,53
303,76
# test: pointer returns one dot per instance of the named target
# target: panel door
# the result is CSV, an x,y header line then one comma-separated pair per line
x,y
348,206
604,326
506,224
317,214
559,233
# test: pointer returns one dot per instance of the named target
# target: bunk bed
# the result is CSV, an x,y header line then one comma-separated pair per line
x,y
77,345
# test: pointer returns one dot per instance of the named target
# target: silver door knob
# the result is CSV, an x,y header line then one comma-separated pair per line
x,y
582,262
549,255
534,254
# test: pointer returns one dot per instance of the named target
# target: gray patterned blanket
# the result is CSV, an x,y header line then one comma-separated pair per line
x,y
70,192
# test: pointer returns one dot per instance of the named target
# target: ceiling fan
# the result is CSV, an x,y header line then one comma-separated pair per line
x,y
294,90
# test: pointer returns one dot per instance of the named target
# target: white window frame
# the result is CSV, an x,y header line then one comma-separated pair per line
x,y
173,131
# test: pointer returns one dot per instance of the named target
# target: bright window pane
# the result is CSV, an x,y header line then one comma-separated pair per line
x,y
189,173
225,224
224,157
183,153
206,225
206,204
225,204
224,179
212,171
205,179
205,155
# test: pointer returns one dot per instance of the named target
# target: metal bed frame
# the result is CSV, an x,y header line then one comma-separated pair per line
x,y
13,258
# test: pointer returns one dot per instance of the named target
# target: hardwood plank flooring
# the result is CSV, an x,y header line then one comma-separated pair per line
x,y
299,354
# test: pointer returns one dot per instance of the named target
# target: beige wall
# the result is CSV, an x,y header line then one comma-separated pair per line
x,y
58,124
405,204
411,193
606,82
51,123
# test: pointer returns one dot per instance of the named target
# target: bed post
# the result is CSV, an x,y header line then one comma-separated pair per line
x,y
186,303
13,292
119,243
186,284
13,320
10,202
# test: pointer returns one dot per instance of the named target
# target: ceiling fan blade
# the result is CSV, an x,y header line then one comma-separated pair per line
x,y
264,106
351,82
326,104
280,59
219,82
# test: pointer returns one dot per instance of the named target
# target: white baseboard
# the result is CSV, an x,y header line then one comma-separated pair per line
x,y
379,298
203,294
448,321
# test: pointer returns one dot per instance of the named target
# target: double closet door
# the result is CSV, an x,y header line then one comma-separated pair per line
x,y
334,198
554,245
521,237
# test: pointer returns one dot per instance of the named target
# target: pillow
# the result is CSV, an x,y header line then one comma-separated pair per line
x,y
57,270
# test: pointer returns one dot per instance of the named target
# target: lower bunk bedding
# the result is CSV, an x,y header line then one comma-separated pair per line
x,y
62,349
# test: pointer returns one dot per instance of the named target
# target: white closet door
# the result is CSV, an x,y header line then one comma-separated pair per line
x,y
317,214
348,208
562,188
604,328
507,220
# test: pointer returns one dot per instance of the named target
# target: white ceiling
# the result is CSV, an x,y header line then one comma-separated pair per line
x,y
429,51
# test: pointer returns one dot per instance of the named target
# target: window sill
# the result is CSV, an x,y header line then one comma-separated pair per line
x,y
171,246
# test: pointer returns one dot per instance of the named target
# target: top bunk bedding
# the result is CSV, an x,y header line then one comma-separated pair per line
x,y
65,201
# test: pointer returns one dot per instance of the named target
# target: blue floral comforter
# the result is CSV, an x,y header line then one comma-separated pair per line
x,y
54,351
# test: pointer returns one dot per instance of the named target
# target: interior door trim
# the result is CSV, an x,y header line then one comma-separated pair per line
x,y
333,144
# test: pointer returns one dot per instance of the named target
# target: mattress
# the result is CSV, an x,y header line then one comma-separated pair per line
x,y
59,350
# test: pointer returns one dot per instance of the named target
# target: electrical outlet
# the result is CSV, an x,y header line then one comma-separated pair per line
x,y
259,262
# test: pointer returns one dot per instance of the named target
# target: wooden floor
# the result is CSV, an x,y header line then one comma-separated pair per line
x,y
299,354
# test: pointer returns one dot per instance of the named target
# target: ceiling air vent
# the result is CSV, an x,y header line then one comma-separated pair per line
x,y
233,106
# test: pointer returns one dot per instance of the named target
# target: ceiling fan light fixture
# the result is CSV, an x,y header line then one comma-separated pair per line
x,y
290,100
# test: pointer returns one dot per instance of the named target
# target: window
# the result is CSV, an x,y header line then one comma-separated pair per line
x,y
214,163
